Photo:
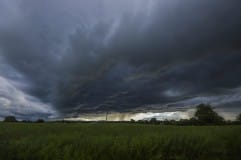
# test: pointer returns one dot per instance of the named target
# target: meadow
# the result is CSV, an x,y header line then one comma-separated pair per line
x,y
118,141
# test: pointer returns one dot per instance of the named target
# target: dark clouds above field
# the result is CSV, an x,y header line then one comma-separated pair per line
x,y
72,57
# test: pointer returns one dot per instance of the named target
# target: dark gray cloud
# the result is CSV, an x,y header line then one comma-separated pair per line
x,y
97,56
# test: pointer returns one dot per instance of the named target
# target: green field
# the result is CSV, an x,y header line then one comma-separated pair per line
x,y
117,141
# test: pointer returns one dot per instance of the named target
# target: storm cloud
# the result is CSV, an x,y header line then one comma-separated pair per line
x,y
73,57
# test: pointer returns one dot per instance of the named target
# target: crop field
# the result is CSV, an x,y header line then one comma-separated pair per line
x,y
118,141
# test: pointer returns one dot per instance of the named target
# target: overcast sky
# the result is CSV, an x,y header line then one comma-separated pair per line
x,y
62,58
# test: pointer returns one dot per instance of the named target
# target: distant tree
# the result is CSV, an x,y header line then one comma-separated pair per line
x,y
132,121
166,122
10,119
26,121
153,120
39,121
206,115
141,121
239,118
193,121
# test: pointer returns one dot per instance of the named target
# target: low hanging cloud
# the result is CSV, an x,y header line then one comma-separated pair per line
x,y
135,116
126,56
15,102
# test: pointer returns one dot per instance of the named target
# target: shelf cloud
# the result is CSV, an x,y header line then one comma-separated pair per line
x,y
61,58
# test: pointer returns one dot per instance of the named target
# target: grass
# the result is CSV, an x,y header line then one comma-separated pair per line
x,y
107,141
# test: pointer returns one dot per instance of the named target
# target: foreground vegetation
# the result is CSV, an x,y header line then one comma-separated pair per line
x,y
206,136
118,141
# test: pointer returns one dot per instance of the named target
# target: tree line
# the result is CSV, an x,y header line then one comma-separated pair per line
x,y
13,119
204,115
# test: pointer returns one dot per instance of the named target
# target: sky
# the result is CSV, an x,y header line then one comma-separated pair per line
x,y
144,58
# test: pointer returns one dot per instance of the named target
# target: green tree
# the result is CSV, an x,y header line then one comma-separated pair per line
x,y
239,118
153,120
206,115
39,121
10,119
132,121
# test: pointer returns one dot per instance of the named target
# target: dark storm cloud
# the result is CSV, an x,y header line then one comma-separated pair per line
x,y
82,56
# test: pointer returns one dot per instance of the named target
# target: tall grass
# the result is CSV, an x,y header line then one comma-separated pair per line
x,y
59,141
